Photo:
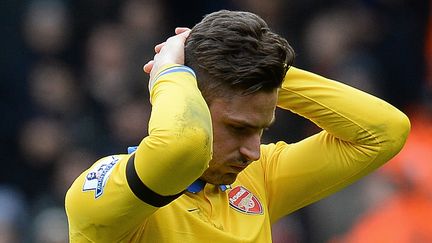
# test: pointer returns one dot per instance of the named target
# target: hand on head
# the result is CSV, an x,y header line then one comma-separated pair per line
x,y
169,52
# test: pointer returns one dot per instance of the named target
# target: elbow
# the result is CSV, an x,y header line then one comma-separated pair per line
x,y
402,128
192,145
196,141
180,155
198,148
192,157
398,130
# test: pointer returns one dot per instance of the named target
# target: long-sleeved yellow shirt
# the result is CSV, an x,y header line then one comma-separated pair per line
x,y
112,201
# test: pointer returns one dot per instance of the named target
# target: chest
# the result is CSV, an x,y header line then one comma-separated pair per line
x,y
236,215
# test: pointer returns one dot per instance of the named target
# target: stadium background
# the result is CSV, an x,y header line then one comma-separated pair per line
x,y
72,90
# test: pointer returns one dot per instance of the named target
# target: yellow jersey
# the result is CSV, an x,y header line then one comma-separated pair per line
x,y
153,195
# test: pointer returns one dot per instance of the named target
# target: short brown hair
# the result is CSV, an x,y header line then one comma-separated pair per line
x,y
234,51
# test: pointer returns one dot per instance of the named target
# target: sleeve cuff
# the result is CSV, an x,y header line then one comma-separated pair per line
x,y
170,69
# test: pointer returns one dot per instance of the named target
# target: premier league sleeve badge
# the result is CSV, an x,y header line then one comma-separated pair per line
x,y
97,177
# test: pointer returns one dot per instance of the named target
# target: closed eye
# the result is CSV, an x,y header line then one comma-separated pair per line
x,y
238,129
245,130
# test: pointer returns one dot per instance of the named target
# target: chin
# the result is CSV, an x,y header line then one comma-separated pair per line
x,y
225,179
229,179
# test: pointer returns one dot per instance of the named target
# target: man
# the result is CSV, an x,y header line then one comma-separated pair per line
x,y
201,174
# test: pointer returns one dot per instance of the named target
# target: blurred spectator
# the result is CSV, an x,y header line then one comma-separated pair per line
x,y
144,24
128,123
107,66
47,26
400,50
273,11
144,19
54,91
336,44
50,226
42,141
13,215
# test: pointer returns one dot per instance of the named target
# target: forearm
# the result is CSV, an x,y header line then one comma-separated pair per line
x,y
346,113
179,144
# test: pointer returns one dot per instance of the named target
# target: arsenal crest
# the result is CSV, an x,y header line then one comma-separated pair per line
x,y
244,201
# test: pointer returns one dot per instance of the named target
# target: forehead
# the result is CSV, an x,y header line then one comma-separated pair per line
x,y
255,109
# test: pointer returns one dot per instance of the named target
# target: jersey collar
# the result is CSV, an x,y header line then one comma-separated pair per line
x,y
199,184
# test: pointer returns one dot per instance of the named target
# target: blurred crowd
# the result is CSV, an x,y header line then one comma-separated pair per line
x,y
73,90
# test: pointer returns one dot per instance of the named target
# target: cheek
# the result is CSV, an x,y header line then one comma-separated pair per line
x,y
224,146
223,140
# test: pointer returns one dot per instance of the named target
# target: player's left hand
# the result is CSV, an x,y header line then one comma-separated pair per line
x,y
169,52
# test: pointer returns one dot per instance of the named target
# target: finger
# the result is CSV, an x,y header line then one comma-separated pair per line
x,y
185,33
180,30
158,47
148,66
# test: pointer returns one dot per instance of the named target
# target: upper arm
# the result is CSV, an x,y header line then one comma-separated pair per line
x,y
100,204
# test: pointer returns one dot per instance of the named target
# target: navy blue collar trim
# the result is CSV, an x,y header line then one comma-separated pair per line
x,y
196,186
199,185
132,149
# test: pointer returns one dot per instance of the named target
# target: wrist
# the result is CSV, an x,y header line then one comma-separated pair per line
x,y
167,69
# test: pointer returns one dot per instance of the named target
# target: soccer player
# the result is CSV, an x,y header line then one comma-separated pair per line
x,y
202,174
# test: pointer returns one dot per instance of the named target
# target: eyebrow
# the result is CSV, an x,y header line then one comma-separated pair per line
x,y
247,124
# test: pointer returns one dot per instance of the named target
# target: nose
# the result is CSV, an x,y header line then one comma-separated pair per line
x,y
250,149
